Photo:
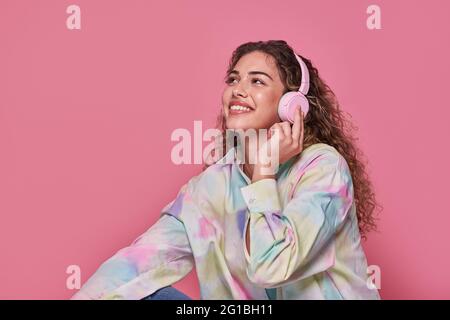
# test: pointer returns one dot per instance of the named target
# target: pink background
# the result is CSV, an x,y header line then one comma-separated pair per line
x,y
86,118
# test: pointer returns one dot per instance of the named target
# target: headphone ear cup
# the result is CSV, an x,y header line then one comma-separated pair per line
x,y
289,102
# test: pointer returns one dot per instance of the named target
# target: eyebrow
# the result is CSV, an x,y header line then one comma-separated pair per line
x,y
252,72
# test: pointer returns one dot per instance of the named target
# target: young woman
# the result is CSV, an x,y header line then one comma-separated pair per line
x,y
291,234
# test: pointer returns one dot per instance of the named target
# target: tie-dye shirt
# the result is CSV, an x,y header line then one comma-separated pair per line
x,y
304,237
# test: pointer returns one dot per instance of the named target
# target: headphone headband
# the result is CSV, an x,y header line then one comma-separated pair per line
x,y
304,86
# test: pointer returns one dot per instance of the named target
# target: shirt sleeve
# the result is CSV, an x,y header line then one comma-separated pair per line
x,y
296,242
159,257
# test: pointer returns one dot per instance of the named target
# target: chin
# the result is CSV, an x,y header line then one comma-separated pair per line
x,y
236,124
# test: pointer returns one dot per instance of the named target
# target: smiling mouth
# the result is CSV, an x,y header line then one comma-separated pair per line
x,y
236,109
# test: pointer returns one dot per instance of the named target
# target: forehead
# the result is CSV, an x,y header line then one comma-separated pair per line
x,y
257,61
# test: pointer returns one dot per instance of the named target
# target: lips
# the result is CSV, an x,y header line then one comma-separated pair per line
x,y
237,107
240,103
235,112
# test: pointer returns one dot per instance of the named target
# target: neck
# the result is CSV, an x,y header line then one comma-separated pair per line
x,y
248,170
249,156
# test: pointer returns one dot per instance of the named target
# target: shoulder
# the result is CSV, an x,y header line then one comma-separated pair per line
x,y
212,177
320,159
219,171
209,181
320,152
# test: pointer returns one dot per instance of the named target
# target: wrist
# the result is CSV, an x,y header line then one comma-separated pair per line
x,y
258,174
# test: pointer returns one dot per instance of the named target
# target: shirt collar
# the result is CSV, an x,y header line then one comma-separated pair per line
x,y
233,158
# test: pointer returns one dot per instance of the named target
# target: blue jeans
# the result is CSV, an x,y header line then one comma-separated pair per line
x,y
167,293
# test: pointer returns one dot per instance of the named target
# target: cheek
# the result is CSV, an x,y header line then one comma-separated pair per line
x,y
225,101
268,118
266,97
267,103
226,95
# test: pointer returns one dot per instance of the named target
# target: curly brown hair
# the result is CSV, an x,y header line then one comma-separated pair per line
x,y
325,122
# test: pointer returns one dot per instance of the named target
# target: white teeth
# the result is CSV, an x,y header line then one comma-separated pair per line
x,y
241,108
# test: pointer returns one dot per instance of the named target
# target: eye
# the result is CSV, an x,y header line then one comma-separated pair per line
x,y
230,80
258,80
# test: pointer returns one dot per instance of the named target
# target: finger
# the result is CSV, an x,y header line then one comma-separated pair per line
x,y
296,125
278,129
286,126
302,132
271,132
287,138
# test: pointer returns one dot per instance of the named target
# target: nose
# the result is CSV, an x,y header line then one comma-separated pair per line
x,y
240,89
239,92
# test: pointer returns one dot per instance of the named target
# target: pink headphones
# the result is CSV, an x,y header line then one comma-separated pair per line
x,y
295,99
